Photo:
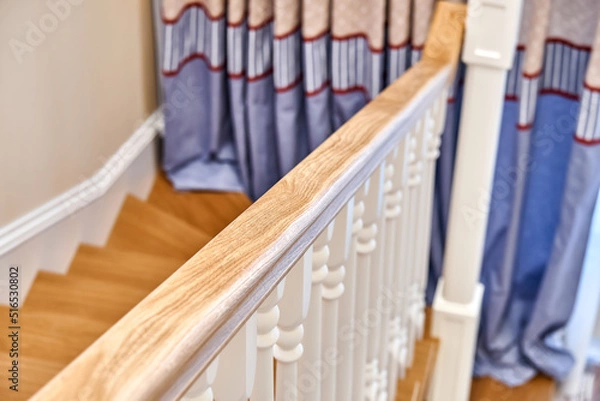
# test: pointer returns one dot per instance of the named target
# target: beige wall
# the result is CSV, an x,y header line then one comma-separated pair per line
x,y
69,100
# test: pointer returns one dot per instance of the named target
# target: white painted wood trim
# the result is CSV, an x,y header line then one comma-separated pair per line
x,y
38,220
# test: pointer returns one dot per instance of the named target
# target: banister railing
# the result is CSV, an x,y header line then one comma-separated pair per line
x,y
298,269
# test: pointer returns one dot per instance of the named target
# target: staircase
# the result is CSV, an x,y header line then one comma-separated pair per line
x,y
334,257
64,314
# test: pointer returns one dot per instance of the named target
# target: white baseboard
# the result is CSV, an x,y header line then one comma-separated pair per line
x,y
585,391
47,237
455,325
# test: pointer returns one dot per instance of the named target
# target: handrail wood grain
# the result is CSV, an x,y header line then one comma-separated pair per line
x,y
160,346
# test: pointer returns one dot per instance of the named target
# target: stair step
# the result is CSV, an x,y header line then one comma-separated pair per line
x,y
48,341
132,268
209,211
142,227
61,317
33,374
89,298
58,337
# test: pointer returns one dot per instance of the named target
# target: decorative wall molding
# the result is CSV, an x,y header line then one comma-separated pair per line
x,y
36,221
47,237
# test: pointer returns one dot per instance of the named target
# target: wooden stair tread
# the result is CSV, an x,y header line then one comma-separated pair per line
x,y
62,316
48,341
82,296
131,268
59,337
142,227
33,374
541,388
65,314
209,211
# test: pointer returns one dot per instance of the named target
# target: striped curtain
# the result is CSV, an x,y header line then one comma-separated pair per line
x,y
252,86
546,183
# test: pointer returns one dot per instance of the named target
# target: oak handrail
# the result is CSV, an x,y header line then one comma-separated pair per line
x,y
159,348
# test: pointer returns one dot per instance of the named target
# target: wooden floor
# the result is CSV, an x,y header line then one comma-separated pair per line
x,y
414,386
64,314
540,388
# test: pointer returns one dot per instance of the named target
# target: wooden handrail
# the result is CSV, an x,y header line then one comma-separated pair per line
x,y
159,348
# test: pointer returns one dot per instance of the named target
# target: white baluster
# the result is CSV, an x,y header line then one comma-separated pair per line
x,y
293,309
201,390
267,317
346,322
237,365
333,289
422,229
408,237
365,247
414,184
373,369
392,199
311,363
398,203
432,136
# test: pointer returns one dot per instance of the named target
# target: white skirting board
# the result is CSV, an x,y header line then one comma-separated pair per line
x,y
456,326
47,237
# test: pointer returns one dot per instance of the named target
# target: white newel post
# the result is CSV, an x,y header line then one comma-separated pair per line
x,y
347,307
237,365
201,389
333,288
365,246
293,309
267,317
491,37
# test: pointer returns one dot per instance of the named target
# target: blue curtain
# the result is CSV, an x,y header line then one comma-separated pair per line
x,y
546,182
252,86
